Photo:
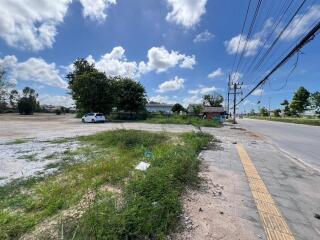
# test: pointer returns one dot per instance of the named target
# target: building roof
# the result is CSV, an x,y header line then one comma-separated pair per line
x,y
213,109
159,105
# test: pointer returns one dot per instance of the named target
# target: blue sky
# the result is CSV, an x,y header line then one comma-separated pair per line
x,y
178,49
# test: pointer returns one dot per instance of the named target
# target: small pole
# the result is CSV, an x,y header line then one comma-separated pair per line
x,y
234,102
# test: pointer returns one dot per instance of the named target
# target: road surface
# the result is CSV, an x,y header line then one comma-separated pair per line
x,y
301,142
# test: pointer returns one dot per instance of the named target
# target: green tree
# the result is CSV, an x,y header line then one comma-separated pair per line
x,y
214,100
315,102
130,95
177,108
14,98
28,103
300,100
197,109
286,109
93,92
276,112
264,112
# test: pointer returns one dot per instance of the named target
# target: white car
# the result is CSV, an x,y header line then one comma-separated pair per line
x,y
93,118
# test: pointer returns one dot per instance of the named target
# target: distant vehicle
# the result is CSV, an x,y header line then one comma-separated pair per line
x,y
93,118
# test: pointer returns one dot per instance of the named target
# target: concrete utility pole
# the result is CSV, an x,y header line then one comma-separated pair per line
x,y
228,111
236,86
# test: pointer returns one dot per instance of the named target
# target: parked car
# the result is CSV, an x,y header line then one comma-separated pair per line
x,y
93,118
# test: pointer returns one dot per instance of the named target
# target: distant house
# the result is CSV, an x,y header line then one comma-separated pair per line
x,y
191,107
159,107
213,112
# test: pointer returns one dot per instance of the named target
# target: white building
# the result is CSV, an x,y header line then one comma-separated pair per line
x,y
159,107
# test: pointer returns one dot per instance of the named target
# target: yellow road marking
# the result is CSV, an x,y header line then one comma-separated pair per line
x,y
272,220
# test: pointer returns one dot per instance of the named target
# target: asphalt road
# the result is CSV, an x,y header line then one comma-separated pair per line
x,y
299,141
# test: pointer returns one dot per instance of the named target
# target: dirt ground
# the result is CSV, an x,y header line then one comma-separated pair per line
x,y
50,126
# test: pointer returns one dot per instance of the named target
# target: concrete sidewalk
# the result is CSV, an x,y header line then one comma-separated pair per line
x,y
225,207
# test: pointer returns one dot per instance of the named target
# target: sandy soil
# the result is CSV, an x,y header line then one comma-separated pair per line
x,y
50,126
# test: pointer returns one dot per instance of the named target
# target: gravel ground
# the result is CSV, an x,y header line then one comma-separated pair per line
x,y
49,126
26,150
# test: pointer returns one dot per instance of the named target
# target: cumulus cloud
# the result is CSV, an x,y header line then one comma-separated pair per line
x,y
96,10
34,69
31,25
195,99
160,60
186,12
115,63
203,90
258,92
56,100
162,99
236,76
301,22
240,44
203,37
216,73
171,85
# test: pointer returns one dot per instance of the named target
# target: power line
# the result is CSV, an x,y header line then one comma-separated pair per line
x,y
310,36
242,30
249,34
258,65
282,13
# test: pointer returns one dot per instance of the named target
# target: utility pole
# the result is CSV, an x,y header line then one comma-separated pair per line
x,y
229,96
236,87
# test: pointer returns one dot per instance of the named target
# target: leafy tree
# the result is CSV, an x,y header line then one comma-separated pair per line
x,y
28,103
252,112
92,92
286,109
214,100
130,95
177,108
197,109
315,102
300,100
14,98
264,112
276,112
3,91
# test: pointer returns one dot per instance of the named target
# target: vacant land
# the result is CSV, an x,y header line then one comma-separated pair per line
x,y
103,194
189,120
307,121
14,127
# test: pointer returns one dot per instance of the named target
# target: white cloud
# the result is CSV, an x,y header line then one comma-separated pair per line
x,y
216,73
203,90
301,23
161,99
195,99
186,12
235,77
160,60
34,69
203,37
56,100
116,64
248,46
96,10
33,24
258,92
171,85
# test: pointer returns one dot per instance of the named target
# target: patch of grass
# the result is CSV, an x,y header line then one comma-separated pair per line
x,y
61,140
113,156
17,141
151,201
29,158
184,119
306,121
